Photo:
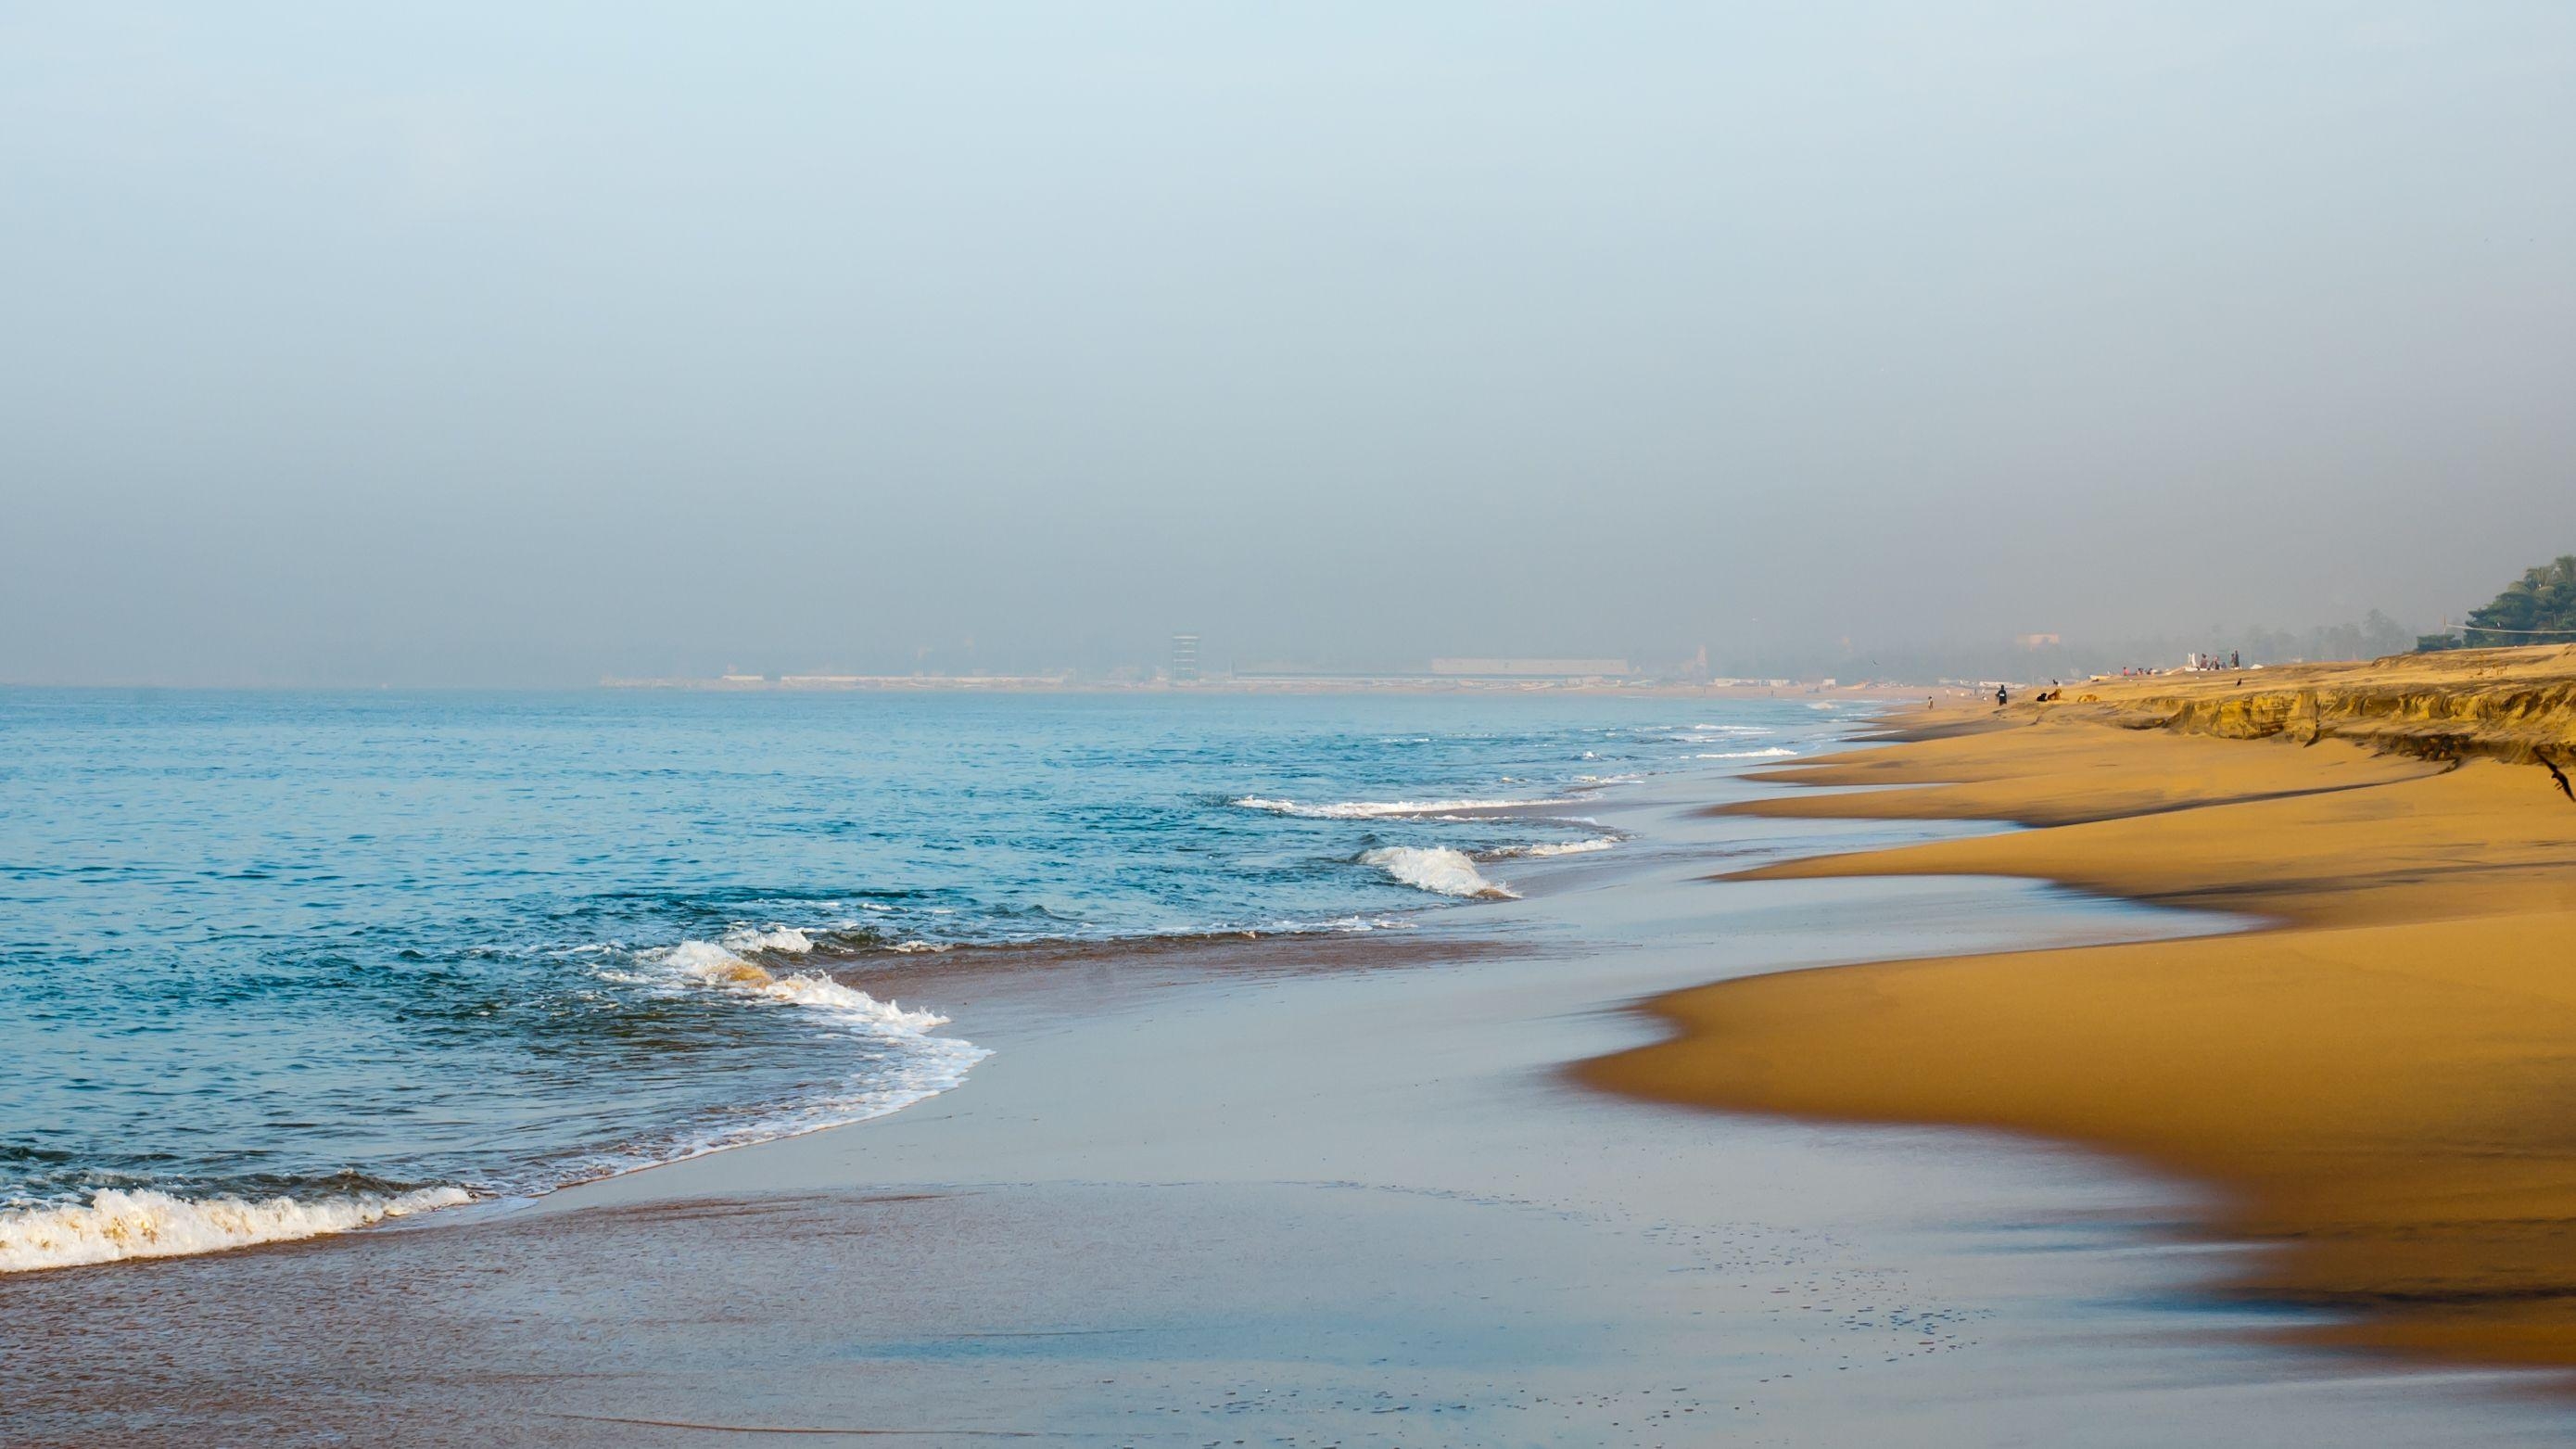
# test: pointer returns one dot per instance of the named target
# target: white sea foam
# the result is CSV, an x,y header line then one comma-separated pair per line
x,y
1341,923
924,1067
1382,809
779,940
1773,753
1552,848
928,1066
708,964
142,1223
1435,868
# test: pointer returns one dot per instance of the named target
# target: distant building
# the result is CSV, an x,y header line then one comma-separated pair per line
x,y
1530,668
1185,659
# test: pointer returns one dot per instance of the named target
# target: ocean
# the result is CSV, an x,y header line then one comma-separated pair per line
x,y
278,964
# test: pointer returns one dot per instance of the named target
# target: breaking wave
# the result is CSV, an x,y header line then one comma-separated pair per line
x,y
145,1223
1773,753
711,965
142,1223
1437,869
919,1066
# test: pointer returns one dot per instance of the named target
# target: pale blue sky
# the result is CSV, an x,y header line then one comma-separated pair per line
x,y
477,347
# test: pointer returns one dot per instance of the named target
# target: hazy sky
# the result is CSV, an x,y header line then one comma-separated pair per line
x,y
478,346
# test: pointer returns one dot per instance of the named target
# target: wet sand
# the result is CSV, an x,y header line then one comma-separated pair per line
x,y
2376,1084
1224,1199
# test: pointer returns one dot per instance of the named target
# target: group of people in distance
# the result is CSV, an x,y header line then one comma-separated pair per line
x,y
2196,660
2050,695
2212,659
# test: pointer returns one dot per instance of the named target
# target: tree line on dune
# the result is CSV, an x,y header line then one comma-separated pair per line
x,y
2538,608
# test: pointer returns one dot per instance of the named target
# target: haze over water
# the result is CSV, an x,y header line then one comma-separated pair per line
x,y
526,345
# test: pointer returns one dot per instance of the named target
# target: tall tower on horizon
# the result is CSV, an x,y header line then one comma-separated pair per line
x,y
1185,659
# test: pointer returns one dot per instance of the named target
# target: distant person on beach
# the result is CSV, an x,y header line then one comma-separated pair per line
x,y
2000,697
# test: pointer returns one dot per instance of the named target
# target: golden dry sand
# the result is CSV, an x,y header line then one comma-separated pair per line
x,y
2381,1078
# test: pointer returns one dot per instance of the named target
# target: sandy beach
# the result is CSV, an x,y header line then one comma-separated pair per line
x,y
2373,1082
1151,1218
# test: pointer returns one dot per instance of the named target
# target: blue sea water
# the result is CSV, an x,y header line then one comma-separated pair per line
x,y
282,963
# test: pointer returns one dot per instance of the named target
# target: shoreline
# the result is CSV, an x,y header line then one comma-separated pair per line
x,y
195,1226
1146,1220
2369,1076
652,961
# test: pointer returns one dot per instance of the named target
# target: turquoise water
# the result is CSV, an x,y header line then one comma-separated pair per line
x,y
273,963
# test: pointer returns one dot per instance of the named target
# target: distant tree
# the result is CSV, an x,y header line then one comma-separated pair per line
x,y
2382,635
2534,608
